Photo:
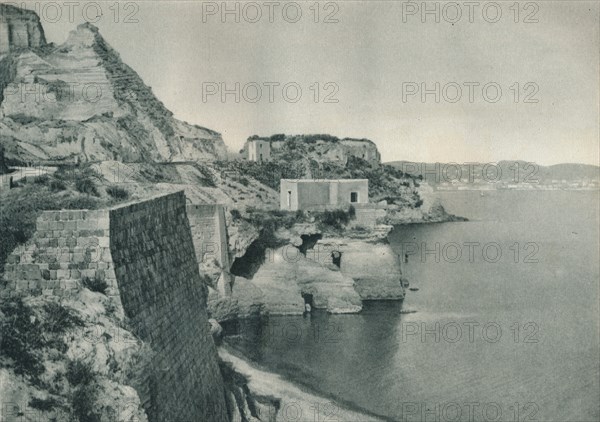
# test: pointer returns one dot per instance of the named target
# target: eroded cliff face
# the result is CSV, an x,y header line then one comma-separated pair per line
x,y
80,102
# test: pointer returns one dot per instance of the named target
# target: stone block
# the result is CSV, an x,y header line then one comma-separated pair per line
x,y
69,225
13,259
63,274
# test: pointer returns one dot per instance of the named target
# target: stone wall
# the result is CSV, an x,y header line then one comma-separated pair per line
x,y
209,235
162,294
67,246
145,253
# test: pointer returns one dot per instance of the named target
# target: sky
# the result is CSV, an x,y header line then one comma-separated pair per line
x,y
409,76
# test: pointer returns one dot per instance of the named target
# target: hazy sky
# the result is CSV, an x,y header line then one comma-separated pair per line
x,y
373,57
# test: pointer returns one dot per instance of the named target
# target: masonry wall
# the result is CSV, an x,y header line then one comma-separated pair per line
x,y
162,294
66,247
209,233
145,253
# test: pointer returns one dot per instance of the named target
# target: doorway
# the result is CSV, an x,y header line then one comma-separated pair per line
x,y
336,258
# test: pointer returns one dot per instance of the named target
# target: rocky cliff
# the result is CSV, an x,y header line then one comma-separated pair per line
x,y
80,102
319,148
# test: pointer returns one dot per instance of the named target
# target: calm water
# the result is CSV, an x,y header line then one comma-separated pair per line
x,y
507,338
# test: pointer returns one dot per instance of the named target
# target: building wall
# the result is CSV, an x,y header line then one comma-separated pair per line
x,y
314,195
359,186
284,187
257,147
322,194
146,254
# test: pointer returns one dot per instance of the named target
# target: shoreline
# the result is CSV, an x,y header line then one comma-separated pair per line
x,y
298,402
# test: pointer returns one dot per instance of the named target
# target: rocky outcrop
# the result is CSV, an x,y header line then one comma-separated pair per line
x,y
374,267
331,271
19,28
320,148
80,102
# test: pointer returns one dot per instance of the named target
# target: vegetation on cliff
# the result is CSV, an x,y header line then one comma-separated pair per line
x,y
3,165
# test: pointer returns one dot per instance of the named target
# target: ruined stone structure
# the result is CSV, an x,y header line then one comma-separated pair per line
x,y
19,28
144,251
259,150
311,194
209,234
360,148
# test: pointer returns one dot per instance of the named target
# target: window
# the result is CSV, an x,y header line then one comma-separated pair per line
x,y
353,197
261,156
260,146
289,199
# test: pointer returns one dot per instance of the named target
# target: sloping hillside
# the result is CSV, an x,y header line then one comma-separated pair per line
x,y
80,102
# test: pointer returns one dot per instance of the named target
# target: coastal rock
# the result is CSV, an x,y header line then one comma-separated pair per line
x,y
374,267
287,275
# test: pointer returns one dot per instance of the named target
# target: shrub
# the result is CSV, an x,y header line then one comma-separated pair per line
x,y
95,284
83,403
79,372
117,193
41,180
81,203
86,186
352,212
236,215
335,219
44,405
57,185
60,319
21,338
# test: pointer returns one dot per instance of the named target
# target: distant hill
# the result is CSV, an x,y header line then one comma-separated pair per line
x,y
503,175
78,101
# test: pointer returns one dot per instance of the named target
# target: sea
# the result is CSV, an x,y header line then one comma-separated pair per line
x,y
500,322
